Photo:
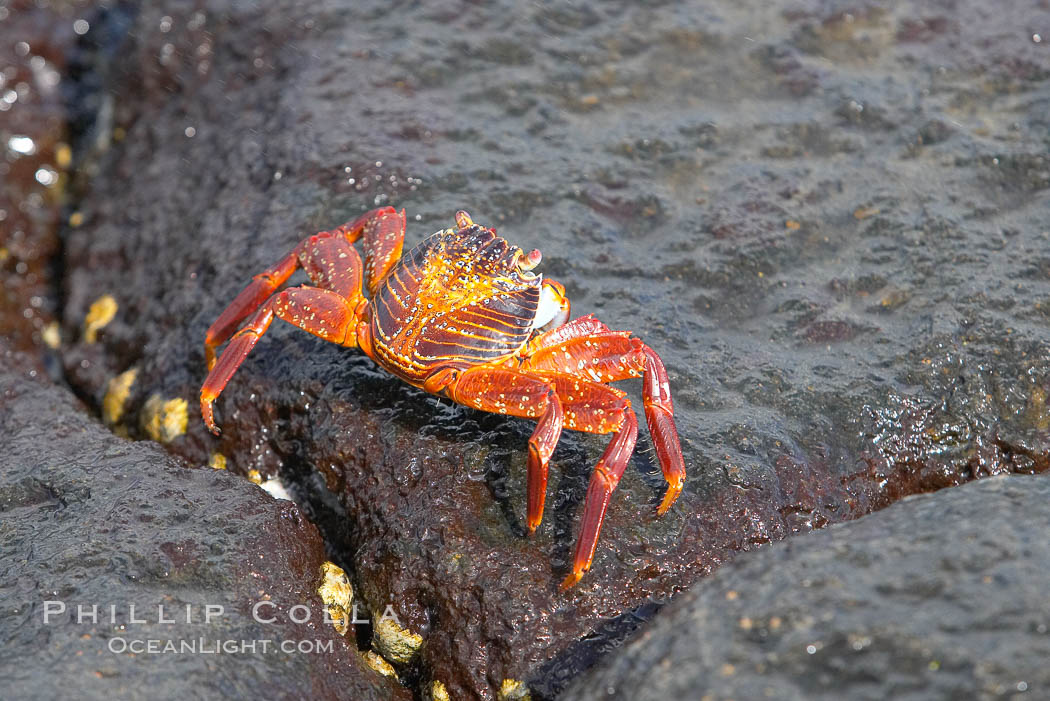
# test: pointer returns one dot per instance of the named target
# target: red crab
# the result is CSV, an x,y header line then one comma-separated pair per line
x,y
461,315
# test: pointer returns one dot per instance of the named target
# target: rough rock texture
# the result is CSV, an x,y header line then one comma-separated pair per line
x,y
828,218
90,519
938,597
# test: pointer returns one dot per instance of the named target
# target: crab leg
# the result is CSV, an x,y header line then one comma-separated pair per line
x,y
321,312
328,311
609,356
507,391
597,408
581,326
247,302
604,479
605,356
322,256
383,230
659,414
231,358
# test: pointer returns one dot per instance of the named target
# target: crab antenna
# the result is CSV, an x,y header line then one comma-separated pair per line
x,y
463,219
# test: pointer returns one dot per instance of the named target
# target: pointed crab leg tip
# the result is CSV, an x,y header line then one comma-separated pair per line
x,y
208,416
670,496
570,581
532,528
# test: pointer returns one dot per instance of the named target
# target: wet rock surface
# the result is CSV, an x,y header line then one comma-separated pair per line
x,y
829,220
937,597
89,519
37,45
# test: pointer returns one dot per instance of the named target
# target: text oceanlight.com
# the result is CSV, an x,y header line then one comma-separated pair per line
x,y
203,646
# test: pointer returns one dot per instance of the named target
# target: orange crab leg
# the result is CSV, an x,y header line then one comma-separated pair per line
x,y
541,446
329,313
659,415
556,399
231,358
383,230
261,287
508,391
605,356
582,326
597,408
609,356
332,263
321,312
323,257
604,479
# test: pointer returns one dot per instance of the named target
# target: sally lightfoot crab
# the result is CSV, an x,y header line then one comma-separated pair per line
x,y
462,315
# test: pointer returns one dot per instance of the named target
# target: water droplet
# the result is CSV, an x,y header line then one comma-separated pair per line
x,y
191,132
22,144
81,26
46,176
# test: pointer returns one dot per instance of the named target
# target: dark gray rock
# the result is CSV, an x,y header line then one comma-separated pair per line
x,y
89,519
936,597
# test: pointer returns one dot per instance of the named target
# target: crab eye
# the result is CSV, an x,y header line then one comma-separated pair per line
x,y
528,261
